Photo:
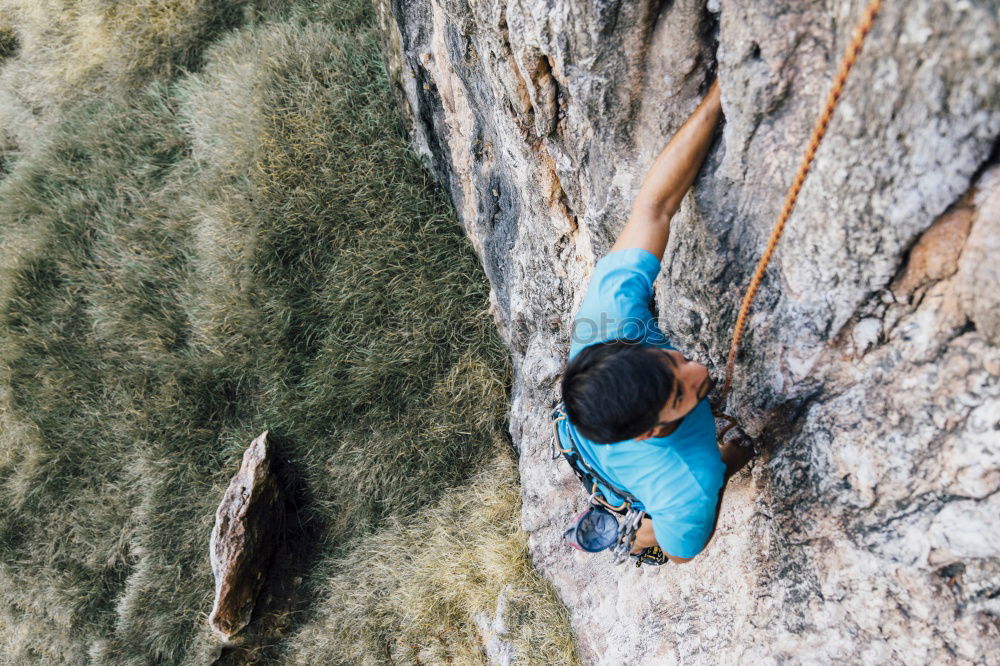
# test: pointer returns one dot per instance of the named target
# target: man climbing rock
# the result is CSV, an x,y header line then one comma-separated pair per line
x,y
636,407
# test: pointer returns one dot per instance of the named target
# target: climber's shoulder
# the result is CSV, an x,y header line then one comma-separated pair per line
x,y
617,302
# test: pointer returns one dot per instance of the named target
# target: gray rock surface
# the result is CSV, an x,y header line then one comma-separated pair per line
x,y
493,633
247,524
867,531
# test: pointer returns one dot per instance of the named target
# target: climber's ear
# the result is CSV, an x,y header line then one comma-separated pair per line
x,y
646,435
661,429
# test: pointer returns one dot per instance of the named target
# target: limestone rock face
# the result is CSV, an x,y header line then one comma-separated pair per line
x,y
243,539
870,374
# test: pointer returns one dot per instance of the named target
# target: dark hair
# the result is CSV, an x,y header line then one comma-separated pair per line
x,y
615,390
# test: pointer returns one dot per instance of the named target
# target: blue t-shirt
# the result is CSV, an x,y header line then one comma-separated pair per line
x,y
676,478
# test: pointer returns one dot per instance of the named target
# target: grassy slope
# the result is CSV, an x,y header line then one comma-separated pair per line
x,y
188,259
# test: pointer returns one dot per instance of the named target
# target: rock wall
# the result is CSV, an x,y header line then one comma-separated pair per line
x,y
869,529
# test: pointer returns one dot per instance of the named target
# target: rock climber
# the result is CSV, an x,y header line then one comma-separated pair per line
x,y
636,407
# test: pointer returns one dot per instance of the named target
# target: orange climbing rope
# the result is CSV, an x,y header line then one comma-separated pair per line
x,y
853,49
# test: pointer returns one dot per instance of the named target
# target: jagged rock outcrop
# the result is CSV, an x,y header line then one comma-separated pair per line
x,y
247,524
867,531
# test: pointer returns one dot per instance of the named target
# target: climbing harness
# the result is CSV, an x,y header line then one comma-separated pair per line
x,y
850,56
602,525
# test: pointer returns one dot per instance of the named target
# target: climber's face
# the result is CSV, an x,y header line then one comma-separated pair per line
x,y
693,384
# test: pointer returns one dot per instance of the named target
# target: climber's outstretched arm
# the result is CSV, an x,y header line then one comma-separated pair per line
x,y
669,179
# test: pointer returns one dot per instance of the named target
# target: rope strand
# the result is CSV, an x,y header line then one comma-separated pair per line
x,y
850,56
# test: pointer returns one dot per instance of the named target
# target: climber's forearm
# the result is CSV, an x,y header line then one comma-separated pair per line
x,y
677,165
669,179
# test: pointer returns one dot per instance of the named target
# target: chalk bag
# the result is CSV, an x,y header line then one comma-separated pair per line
x,y
593,530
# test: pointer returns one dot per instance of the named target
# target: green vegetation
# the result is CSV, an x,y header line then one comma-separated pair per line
x,y
429,576
211,225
